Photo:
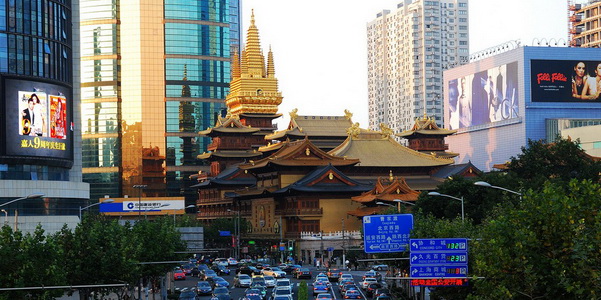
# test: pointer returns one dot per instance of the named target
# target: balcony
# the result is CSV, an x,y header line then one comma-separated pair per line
x,y
300,212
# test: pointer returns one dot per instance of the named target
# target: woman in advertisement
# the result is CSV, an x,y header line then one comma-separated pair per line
x,y
39,112
591,88
578,80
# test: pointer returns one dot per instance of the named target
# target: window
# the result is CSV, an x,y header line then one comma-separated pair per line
x,y
462,19
462,4
463,12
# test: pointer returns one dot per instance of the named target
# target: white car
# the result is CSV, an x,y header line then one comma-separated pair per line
x,y
269,281
281,283
367,281
275,272
281,291
232,262
242,280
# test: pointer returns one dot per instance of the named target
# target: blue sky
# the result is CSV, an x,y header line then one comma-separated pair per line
x,y
320,49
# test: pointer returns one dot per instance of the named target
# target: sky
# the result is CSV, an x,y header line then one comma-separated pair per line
x,y
320,46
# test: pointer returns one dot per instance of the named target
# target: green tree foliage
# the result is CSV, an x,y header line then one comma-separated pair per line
x,y
303,291
558,162
547,247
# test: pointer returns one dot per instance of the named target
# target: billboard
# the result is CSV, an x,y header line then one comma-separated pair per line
x,y
38,120
565,80
484,97
144,206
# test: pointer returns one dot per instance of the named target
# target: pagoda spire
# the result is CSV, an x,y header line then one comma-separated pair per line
x,y
270,66
235,65
254,57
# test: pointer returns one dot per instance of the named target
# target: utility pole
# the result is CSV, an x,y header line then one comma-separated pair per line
x,y
343,244
281,241
321,236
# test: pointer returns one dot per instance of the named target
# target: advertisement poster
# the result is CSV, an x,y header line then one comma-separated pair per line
x,y
33,114
565,81
484,97
58,117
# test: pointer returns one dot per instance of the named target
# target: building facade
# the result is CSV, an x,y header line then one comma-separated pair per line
x,y
40,102
154,74
498,103
584,22
408,49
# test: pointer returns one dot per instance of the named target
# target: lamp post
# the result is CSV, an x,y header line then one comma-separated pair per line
x,y
488,185
140,187
5,216
30,196
455,198
84,208
237,231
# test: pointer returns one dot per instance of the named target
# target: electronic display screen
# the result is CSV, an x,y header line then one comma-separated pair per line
x,y
565,80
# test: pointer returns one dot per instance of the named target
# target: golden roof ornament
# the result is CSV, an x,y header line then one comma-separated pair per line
x,y
331,176
385,131
308,151
293,114
347,114
390,176
354,130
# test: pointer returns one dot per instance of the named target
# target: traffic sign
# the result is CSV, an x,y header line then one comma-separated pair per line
x,y
224,233
438,244
438,258
386,233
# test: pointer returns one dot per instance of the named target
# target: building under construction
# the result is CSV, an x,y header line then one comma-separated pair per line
x,y
584,23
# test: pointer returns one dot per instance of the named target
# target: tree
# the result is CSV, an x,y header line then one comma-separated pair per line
x,y
303,291
547,247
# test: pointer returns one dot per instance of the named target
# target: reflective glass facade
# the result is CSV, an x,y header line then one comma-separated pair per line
x,y
135,131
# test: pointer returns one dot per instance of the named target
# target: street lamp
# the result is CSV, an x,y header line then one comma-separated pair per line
x,y
84,208
140,187
488,185
5,216
32,196
237,233
455,198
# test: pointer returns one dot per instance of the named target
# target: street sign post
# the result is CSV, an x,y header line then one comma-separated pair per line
x,y
386,233
438,258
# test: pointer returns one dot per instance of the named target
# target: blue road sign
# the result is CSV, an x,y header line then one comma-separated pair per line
x,y
438,258
224,233
386,233
438,271
330,249
438,245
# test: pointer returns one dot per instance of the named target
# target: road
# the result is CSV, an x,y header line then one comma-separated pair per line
x,y
238,293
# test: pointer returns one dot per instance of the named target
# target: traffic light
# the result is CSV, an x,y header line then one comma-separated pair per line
x,y
290,245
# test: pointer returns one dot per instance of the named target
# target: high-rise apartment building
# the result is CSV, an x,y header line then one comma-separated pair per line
x,y
584,23
40,161
154,74
407,51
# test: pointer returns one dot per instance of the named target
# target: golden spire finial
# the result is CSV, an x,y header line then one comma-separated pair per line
x,y
254,57
252,17
390,176
347,114
270,65
235,65
293,113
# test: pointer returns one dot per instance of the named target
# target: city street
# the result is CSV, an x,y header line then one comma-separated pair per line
x,y
238,293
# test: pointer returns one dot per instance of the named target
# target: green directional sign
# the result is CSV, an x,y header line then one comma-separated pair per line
x,y
251,242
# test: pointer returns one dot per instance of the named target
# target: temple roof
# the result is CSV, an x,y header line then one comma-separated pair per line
x,y
228,124
366,211
300,153
230,176
378,149
425,126
464,170
314,126
326,179
230,154
388,190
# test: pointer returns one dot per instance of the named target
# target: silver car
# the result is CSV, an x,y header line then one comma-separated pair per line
x,y
242,280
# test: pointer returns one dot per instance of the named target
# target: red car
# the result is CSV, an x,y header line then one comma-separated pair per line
x,y
179,274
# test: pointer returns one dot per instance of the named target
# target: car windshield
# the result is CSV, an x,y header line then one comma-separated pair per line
x,y
245,277
203,284
282,283
282,292
324,296
269,278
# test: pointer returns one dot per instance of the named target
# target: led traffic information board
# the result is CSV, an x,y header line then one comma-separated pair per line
x,y
437,260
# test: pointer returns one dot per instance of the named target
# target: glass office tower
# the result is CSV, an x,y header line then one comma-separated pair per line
x,y
154,74
40,163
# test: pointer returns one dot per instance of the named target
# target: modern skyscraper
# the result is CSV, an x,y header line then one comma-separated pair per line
x,y
583,23
407,51
40,163
154,74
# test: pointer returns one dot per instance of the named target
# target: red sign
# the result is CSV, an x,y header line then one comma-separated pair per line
x,y
439,282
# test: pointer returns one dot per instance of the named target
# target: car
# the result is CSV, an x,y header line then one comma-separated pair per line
x,y
319,288
259,280
221,297
322,278
269,281
281,283
221,262
275,272
242,280
261,288
283,297
179,274
251,293
303,273
203,288
220,291
324,296
367,281
371,289
352,294
188,268
346,287
345,277
381,291
292,269
254,270
206,274
277,291
383,297
370,273
380,267
333,274
220,282
220,270
232,261
187,295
